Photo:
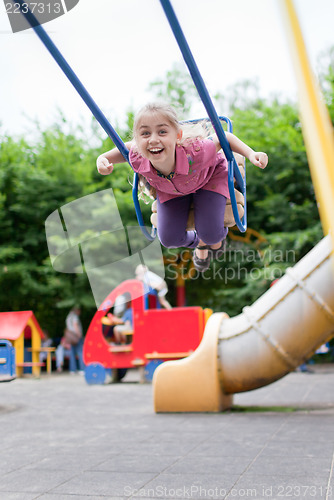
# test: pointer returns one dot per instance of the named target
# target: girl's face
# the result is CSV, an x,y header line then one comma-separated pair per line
x,y
156,140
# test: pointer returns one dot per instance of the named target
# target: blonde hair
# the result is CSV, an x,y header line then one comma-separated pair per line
x,y
190,131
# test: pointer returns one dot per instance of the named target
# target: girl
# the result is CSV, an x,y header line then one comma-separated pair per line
x,y
184,168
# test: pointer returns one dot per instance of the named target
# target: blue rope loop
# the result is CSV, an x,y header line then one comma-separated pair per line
x,y
235,179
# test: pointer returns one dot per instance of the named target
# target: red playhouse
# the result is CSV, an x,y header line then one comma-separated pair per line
x,y
21,328
156,336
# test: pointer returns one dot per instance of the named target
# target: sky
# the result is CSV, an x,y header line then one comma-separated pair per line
x,y
118,47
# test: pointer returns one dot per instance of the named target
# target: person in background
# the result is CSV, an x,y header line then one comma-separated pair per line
x,y
116,318
63,349
46,342
152,280
73,336
126,324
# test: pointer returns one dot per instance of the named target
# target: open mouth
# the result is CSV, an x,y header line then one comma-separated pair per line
x,y
156,151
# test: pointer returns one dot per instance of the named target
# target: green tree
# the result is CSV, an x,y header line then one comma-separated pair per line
x,y
326,77
35,180
176,88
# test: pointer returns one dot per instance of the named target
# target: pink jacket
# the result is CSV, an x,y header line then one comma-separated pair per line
x,y
197,166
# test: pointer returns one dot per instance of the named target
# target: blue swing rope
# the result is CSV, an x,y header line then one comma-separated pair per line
x,y
96,111
233,170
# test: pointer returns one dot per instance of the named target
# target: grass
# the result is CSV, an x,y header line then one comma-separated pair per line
x,y
262,409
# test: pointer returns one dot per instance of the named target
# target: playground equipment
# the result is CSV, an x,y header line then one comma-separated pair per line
x,y
7,361
254,347
292,319
22,329
158,335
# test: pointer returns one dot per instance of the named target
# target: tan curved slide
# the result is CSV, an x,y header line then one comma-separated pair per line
x,y
281,330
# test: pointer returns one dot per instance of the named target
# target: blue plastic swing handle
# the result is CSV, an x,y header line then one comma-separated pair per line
x,y
150,236
233,169
96,111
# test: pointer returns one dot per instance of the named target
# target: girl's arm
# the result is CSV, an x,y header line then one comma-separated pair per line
x,y
105,162
258,159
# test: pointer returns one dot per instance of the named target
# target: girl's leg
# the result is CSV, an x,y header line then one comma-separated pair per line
x,y
209,210
73,363
80,356
172,223
119,337
59,357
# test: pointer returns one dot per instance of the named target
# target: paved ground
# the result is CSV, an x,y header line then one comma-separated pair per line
x,y
64,440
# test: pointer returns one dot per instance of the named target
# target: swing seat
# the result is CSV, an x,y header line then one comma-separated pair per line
x,y
229,220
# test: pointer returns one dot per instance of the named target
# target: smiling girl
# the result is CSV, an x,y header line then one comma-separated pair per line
x,y
184,168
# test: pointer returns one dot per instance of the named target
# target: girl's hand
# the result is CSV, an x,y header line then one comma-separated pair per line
x,y
103,166
259,159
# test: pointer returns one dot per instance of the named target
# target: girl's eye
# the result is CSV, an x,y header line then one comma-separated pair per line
x,y
163,132
145,134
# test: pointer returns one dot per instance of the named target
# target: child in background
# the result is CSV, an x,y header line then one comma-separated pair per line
x,y
184,168
46,342
154,281
125,324
63,349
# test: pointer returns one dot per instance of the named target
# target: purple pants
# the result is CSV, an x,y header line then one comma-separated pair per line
x,y
209,210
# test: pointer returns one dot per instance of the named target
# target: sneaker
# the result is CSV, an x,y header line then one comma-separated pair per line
x,y
202,264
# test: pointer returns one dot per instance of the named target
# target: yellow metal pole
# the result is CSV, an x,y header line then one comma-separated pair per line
x,y
316,124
